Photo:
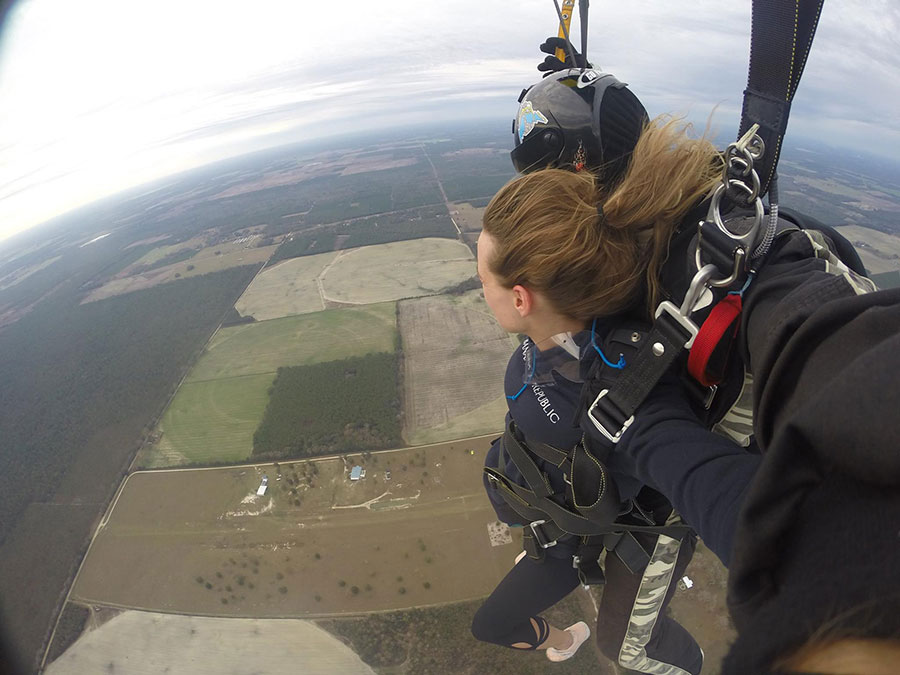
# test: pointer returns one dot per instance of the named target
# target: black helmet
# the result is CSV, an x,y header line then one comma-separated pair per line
x,y
577,119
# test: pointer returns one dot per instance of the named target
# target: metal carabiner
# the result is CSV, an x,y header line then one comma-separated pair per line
x,y
748,239
695,290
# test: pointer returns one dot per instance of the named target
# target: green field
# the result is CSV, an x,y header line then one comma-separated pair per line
x,y
263,347
211,421
218,408
487,418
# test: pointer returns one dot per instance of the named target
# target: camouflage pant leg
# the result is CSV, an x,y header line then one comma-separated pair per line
x,y
632,627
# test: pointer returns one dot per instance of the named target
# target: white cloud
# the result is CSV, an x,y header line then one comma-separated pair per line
x,y
99,95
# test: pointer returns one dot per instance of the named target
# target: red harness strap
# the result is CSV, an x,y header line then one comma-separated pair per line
x,y
722,317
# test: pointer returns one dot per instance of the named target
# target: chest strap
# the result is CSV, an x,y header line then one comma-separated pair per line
x,y
612,411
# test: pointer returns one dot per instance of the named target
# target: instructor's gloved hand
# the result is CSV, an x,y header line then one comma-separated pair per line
x,y
551,64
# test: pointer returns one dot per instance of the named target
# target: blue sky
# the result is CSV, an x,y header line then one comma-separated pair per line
x,y
100,95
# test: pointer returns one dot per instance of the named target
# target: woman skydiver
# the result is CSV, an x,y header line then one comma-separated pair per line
x,y
808,529
557,270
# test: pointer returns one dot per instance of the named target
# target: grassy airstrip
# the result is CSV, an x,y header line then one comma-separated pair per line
x,y
215,412
202,542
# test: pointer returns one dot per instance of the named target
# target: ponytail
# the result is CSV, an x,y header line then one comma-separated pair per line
x,y
595,249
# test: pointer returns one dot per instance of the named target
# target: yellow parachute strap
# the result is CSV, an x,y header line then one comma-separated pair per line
x,y
568,7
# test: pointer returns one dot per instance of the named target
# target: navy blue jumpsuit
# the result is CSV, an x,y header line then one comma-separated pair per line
x,y
543,400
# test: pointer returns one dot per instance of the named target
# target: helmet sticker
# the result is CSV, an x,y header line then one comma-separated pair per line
x,y
587,78
528,117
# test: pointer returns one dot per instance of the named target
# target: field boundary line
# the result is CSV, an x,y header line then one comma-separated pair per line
x,y
276,617
317,458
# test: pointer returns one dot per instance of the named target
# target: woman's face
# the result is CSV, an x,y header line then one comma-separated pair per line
x,y
500,299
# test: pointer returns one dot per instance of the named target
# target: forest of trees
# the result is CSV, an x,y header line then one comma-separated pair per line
x,y
429,221
338,406
80,385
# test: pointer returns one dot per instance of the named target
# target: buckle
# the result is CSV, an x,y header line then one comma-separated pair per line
x,y
612,436
666,307
712,390
540,539
589,571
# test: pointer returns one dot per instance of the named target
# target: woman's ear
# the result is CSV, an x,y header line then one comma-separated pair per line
x,y
523,300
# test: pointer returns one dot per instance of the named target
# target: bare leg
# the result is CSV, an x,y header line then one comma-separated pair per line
x,y
557,639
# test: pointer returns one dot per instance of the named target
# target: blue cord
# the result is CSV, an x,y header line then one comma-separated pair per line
x,y
530,375
621,363
745,286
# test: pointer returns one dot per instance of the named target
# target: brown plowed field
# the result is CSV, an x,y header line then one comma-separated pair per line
x,y
454,359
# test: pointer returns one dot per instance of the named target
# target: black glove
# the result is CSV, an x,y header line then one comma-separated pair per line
x,y
551,64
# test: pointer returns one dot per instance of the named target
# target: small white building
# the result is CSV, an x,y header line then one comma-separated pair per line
x,y
261,490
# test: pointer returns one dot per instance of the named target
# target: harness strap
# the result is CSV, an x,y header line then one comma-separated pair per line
x,y
548,453
722,320
631,553
533,476
591,491
557,520
613,410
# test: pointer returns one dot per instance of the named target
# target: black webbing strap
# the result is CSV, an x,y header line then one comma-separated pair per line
x,y
781,35
533,476
631,553
558,520
591,491
555,519
611,412
546,452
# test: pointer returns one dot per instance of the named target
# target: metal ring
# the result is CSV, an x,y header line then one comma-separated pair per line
x,y
729,165
715,212
743,154
753,193
736,152
756,147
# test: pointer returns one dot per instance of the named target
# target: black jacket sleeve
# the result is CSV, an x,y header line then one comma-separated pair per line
x,y
704,475
823,508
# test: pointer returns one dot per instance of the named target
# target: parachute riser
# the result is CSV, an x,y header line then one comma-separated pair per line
x,y
741,187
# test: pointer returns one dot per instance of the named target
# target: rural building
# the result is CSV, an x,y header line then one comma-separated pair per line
x,y
357,472
261,490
